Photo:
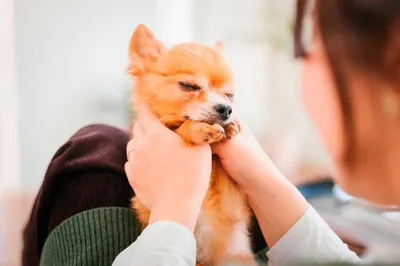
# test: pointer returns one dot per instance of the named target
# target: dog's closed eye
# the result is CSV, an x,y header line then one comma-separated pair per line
x,y
229,95
189,86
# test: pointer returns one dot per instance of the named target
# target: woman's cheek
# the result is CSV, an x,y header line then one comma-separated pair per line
x,y
321,103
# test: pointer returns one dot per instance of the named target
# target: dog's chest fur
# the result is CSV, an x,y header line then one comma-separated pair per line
x,y
237,241
221,230
203,234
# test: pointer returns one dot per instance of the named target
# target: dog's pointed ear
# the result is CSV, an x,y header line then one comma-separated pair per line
x,y
144,48
219,46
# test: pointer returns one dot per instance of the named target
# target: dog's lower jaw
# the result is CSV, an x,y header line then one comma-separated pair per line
x,y
172,122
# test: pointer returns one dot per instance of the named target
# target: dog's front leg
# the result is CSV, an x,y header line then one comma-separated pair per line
x,y
194,132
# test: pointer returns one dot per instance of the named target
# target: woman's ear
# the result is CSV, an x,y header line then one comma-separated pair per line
x,y
144,48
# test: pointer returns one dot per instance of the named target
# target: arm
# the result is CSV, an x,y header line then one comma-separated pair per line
x,y
292,228
162,243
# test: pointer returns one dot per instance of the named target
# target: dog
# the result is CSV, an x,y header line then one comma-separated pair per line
x,y
190,89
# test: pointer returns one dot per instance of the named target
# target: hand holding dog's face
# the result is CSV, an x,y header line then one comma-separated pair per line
x,y
189,82
182,172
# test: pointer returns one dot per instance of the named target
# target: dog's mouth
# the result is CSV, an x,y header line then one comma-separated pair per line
x,y
174,125
211,120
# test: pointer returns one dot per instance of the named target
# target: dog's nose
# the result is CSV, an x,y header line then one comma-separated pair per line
x,y
224,111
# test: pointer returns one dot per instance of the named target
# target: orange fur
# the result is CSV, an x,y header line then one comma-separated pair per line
x,y
225,215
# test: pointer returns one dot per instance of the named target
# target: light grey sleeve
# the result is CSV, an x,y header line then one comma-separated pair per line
x,y
310,240
162,243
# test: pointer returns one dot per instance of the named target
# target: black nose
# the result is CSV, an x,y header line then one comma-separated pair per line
x,y
224,111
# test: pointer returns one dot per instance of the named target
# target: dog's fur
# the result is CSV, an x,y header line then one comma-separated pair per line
x,y
221,231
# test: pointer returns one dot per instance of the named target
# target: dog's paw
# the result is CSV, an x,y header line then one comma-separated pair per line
x,y
212,134
232,129
199,133
204,133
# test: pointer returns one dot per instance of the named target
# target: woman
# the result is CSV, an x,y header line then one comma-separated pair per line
x,y
355,106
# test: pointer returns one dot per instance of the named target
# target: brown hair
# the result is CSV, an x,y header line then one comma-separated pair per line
x,y
356,33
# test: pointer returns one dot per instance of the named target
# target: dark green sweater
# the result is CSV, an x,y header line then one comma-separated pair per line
x,y
94,238
90,238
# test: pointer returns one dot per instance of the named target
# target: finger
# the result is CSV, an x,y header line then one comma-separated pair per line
x,y
135,127
137,135
128,172
130,147
126,168
131,180
149,120
138,130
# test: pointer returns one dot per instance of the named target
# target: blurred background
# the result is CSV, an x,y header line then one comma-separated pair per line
x,y
62,67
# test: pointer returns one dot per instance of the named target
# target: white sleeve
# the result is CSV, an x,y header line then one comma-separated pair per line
x,y
310,240
162,243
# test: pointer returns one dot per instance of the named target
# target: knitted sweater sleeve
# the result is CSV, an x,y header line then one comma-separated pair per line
x,y
162,243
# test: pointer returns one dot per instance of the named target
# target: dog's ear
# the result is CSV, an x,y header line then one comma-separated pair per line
x,y
144,48
219,46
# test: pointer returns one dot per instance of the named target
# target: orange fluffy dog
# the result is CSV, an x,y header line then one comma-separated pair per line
x,y
190,88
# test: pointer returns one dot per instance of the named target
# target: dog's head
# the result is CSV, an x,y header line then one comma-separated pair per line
x,y
186,82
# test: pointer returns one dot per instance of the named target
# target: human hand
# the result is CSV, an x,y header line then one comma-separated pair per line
x,y
169,177
245,161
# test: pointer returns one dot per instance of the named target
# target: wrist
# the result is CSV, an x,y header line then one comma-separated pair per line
x,y
185,213
264,180
273,187
274,190
285,205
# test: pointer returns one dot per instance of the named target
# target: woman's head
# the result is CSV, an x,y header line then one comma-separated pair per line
x,y
351,89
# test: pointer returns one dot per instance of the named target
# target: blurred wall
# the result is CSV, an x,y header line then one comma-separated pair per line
x,y
70,61
9,137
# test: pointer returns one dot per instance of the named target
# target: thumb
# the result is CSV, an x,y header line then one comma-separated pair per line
x,y
148,120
